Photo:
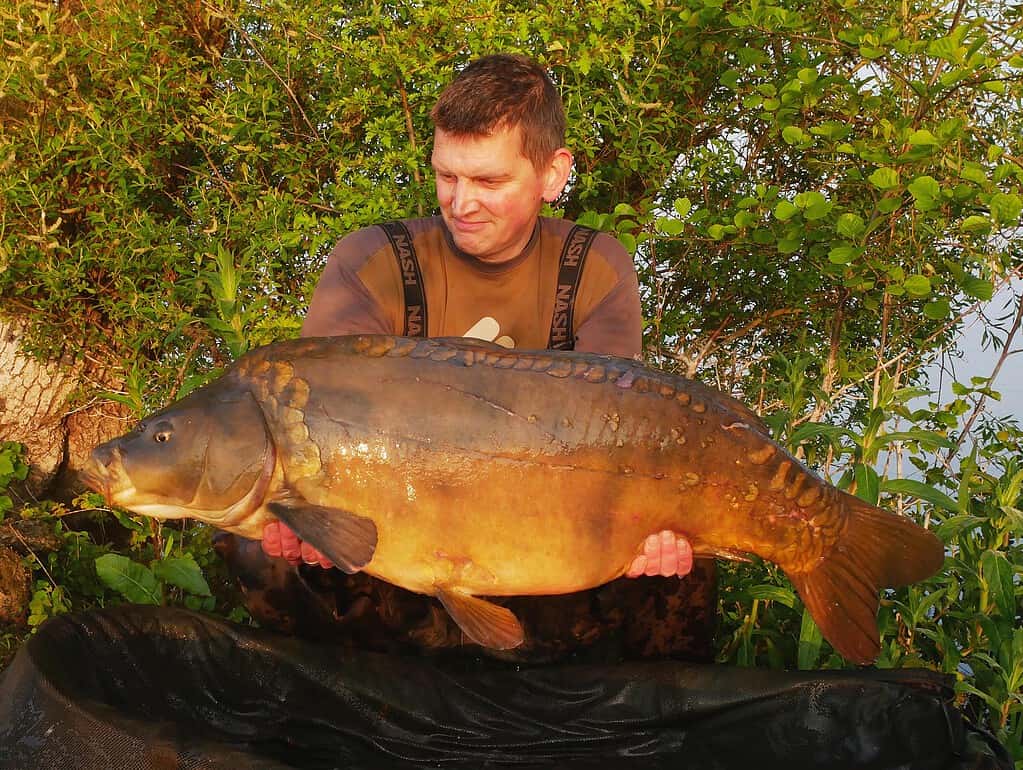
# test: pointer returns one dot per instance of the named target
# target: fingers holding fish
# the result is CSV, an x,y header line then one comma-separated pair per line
x,y
684,563
280,541
272,539
311,556
669,555
665,554
291,546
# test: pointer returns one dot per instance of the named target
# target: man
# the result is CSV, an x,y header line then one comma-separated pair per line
x,y
490,267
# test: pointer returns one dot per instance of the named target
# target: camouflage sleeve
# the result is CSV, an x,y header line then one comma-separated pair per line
x,y
342,303
614,325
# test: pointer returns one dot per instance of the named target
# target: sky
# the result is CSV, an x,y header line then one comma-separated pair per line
x,y
978,362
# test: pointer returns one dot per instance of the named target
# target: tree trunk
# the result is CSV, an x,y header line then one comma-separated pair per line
x,y
40,408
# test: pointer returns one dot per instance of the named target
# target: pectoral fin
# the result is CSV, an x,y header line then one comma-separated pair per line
x,y
485,623
349,540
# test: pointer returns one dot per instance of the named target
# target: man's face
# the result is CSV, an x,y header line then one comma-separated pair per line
x,y
489,192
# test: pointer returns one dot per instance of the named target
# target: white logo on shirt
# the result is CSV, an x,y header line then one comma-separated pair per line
x,y
487,329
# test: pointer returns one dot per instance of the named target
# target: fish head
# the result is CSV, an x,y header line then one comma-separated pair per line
x,y
210,456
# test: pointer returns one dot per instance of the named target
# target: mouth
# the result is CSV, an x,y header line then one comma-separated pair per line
x,y
101,478
95,479
466,226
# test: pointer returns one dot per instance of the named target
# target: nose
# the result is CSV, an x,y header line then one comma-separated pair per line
x,y
104,454
463,199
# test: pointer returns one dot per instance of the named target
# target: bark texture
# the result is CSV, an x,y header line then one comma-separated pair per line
x,y
15,588
37,410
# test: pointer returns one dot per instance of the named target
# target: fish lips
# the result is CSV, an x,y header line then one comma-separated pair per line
x,y
100,471
95,480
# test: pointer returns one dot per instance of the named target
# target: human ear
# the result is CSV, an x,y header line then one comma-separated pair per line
x,y
556,174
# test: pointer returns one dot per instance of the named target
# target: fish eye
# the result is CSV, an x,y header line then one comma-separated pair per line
x,y
162,436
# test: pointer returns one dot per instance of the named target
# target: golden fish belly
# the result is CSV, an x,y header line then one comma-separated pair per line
x,y
500,526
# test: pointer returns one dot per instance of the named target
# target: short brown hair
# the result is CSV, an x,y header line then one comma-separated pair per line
x,y
503,91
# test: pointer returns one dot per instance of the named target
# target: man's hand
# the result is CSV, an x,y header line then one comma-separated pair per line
x,y
664,553
280,540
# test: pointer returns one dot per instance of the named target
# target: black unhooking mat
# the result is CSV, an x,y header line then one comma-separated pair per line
x,y
138,687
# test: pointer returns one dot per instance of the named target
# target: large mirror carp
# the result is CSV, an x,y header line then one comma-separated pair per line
x,y
459,469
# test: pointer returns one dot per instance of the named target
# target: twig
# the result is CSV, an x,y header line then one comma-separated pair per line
x,y
937,333
831,365
707,346
979,407
410,129
34,556
241,30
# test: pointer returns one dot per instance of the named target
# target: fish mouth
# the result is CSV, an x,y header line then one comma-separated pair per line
x,y
106,478
93,476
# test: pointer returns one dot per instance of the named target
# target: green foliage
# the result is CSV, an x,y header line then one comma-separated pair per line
x,y
12,468
144,585
109,556
815,196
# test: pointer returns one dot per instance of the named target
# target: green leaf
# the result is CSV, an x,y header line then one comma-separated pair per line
x,y
924,187
682,207
974,173
818,210
812,429
670,226
921,491
850,225
954,526
716,232
938,309
793,134
183,572
868,485
744,219
997,573
730,79
917,285
1005,208
928,438
976,224
784,211
947,48
774,594
923,137
813,204
889,204
809,643
979,288
842,255
884,178
134,581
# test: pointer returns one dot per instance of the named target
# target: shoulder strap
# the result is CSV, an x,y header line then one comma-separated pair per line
x,y
411,278
570,268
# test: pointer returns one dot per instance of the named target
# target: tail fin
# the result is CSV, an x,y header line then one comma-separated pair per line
x,y
877,549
